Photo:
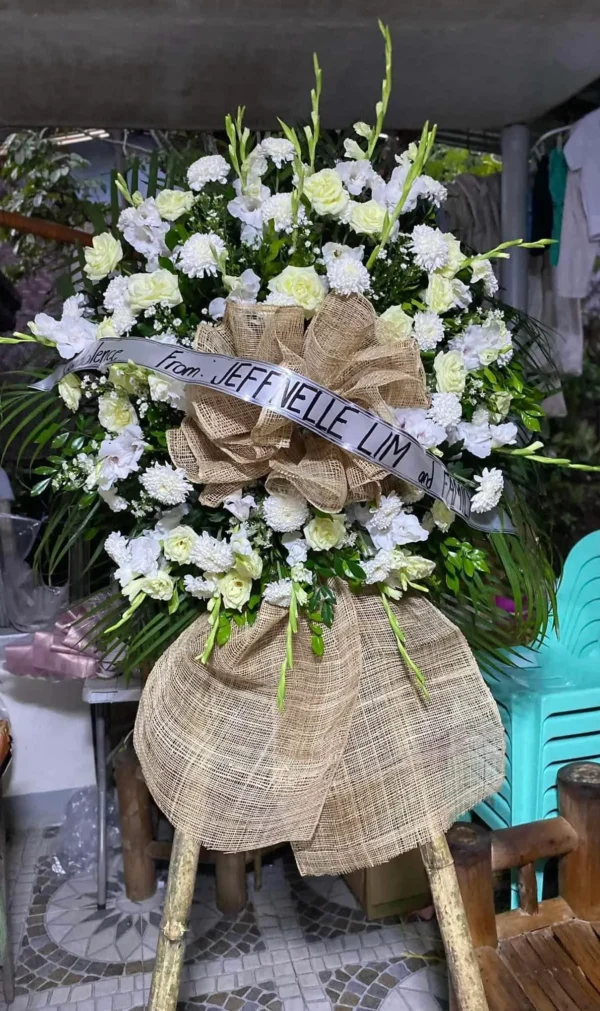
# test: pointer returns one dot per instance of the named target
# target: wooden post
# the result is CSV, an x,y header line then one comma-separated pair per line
x,y
171,940
528,899
136,826
471,849
462,963
579,871
232,893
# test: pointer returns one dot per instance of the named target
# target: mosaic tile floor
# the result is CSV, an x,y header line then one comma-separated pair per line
x,y
299,945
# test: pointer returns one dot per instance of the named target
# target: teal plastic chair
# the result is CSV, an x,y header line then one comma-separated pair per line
x,y
550,700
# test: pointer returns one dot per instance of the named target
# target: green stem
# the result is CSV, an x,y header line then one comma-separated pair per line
x,y
423,152
288,663
400,641
214,625
386,90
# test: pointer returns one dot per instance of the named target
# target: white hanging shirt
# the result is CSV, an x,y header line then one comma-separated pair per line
x,y
580,233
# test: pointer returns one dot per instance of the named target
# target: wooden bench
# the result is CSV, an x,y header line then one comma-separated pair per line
x,y
544,956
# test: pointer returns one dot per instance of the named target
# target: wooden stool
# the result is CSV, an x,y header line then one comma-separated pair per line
x,y
544,956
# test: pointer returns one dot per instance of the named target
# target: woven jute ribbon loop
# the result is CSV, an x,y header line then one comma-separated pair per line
x,y
224,443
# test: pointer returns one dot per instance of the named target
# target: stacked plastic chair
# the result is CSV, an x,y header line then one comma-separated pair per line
x,y
550,701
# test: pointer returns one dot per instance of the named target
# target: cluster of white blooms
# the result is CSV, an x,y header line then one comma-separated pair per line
x,y
70,334
212,168
144,229
199,255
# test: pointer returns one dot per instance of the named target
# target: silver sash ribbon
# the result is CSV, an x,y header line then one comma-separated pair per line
x,y
301,400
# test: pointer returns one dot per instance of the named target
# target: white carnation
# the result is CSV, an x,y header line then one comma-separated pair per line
x,y
389,507
487,496
278,149
196,257
445,409
115,296
296,547
278,593
428,329
211,168
117,547
356,175
300,574
166,484
416,422
211,554
285,513
199,587
347,276
429,247
378,569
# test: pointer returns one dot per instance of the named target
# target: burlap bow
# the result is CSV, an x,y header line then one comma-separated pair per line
x,y
225,444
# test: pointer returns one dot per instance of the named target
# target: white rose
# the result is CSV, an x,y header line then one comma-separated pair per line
x,y
398,320
325,532
439,296
367,218
166,391
171,204
250,565
442,516
178,545
69,389
302,285
235,589
326,192
450,372
106,328
144,290
115,412
102,256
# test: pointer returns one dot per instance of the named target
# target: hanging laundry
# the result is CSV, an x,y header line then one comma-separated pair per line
x,y
541,205
558,185
580,232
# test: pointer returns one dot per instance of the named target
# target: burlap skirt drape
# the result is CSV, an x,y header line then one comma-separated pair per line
x,y
355,770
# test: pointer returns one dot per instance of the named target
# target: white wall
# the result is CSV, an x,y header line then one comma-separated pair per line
x,y
52,736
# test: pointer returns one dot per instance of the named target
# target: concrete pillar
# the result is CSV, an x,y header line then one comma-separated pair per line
x,y
515,162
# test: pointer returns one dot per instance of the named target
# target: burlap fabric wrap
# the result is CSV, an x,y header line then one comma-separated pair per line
x,y
357,768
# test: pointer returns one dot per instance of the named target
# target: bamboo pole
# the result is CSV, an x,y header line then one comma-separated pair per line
x,y
462,963
44,229
171,941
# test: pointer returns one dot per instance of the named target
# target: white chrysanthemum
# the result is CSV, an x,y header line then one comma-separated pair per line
x,y
348,276
428,329
165,483
210,169
278,209
482,270
389,507
296,547
487,496
115,296
117,547
279,298
197,256
285,513
429,247
445,409
201,588
378,569
278,149
211,554
278,593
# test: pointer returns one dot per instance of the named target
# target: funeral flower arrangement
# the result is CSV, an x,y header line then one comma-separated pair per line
x,y
275,225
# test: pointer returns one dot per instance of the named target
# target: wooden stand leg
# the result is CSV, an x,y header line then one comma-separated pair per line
x,y
579,871
136,826
232,893
471,849
171,941
462,963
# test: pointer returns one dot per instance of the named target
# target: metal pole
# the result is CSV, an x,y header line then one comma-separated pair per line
x,y
99,717
515,167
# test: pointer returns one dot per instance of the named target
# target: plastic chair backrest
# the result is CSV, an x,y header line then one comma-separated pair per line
x,y
578,599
